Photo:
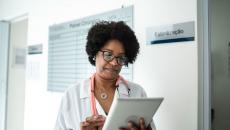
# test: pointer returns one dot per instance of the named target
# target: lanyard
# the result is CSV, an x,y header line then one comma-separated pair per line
x,y
92,96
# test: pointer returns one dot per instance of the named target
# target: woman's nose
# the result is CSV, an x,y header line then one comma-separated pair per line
x,y
114,61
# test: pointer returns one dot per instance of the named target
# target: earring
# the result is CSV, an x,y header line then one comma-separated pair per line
x,y
94,58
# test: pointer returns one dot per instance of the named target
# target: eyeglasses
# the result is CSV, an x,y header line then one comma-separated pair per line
x,y
108,56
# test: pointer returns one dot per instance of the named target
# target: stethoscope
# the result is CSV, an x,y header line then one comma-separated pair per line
x,y
92,96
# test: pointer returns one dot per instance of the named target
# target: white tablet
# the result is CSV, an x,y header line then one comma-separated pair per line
x,y
126,109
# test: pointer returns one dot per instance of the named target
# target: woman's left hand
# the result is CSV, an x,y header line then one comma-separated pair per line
x,y
134,126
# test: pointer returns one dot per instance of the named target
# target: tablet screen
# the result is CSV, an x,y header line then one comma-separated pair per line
x,y
126,109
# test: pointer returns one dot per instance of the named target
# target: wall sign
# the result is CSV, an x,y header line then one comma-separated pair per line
x,y
19,58
35,49
180,32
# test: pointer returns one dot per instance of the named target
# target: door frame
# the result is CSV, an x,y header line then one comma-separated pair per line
x,y
4,74
204,65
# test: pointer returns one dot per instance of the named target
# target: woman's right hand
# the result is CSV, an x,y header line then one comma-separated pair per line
x,y
134,126
93,123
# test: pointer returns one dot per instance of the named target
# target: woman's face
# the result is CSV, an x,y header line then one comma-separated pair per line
x,y
109,70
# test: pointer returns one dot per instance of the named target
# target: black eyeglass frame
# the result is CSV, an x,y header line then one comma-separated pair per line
x,y
118,58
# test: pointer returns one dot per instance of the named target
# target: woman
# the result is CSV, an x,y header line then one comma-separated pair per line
x,y
110,45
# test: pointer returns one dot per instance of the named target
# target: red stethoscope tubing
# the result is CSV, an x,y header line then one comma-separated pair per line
x,y
92,96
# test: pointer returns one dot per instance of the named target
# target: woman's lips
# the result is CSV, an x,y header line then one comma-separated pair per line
x,y
111,70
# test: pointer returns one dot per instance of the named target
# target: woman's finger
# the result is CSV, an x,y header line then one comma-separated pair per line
x,y
83,124
149,127
95,119
132,126
142,124
93,122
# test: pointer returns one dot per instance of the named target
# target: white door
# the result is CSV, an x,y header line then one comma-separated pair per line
x,y
220,56
4,47
17,74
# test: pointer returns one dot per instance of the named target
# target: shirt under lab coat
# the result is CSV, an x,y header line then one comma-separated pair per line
x,y
75,105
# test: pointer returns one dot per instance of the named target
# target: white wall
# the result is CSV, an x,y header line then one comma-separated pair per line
x,y
168,70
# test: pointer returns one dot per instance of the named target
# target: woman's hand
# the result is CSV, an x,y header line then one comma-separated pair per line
x,y
93,123
134,126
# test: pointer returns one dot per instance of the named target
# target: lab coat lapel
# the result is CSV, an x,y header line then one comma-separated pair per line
x,y
122,90
85,100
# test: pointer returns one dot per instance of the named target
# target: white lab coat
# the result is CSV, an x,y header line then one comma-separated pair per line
x,y
75,105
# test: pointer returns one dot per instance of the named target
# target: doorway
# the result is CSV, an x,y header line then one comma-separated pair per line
x,y
220,63
13,48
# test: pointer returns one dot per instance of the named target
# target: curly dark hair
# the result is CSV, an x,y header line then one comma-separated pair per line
x,y
103,31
